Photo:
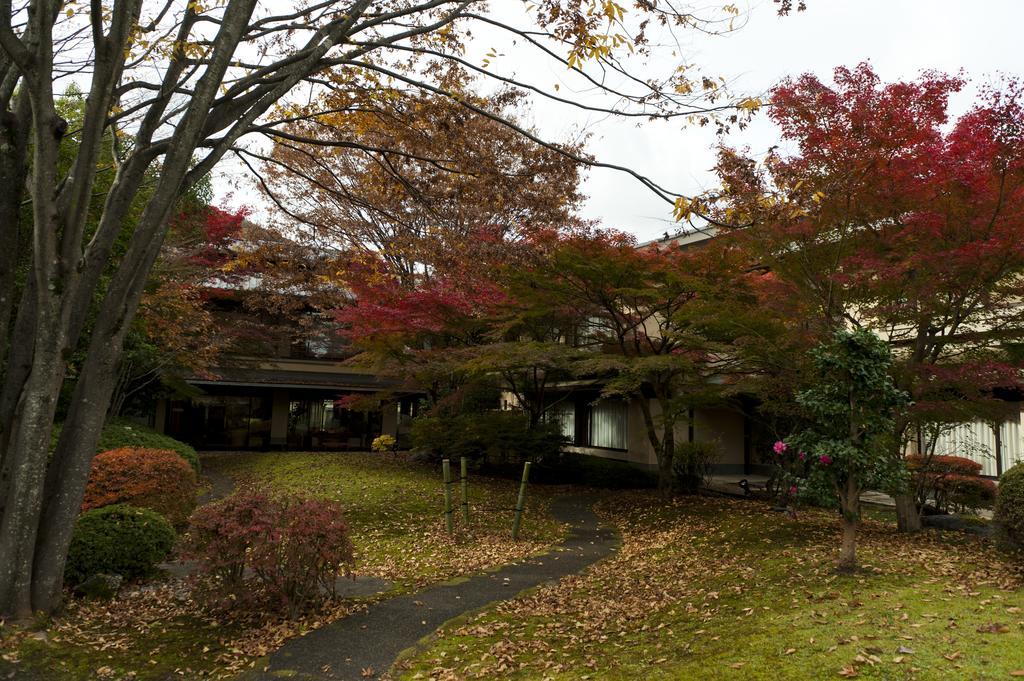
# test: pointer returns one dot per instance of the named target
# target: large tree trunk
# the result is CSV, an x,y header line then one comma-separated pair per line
x,y
663,445
14,134
908,515
665,459
849,502
69,469
25,464
848,549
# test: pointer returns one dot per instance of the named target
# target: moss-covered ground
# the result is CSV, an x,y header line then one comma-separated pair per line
x,y
709,588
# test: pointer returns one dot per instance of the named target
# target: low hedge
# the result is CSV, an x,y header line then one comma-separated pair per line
x,y
1009,512
489,439
157,479
121,433
119,540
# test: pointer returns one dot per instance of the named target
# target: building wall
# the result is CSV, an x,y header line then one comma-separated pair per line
x,y
977,441
724,427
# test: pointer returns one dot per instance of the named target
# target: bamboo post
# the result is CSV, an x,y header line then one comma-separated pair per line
x,y
446,468
465,490
521,501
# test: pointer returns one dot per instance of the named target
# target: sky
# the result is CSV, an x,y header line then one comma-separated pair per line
x,y
901,38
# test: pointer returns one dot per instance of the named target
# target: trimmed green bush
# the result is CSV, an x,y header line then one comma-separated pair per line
x,y
118,540
492,438
121,433
1009,511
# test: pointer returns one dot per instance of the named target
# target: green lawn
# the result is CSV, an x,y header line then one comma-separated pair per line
x,y
713,588
395,509
396,512
701,588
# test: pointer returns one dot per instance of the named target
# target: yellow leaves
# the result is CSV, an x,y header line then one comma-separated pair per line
x,y
750,104
686,207
491,55
590,45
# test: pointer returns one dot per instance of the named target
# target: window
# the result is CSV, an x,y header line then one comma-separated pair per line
x,y
608,422
564,414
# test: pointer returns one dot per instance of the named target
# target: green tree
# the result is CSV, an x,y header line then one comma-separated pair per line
x,y
850,410
635,310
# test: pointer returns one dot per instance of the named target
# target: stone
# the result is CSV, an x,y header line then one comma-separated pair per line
x,y
101,586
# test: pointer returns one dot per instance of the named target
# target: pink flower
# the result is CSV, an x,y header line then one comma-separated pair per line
x,y
824,459
780,447
803,456
792,491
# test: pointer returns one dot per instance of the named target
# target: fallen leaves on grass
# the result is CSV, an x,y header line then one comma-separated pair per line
x,y
399,535
691,564
994,628
223,643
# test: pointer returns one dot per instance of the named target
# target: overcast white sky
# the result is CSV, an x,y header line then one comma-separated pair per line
x,y
900,38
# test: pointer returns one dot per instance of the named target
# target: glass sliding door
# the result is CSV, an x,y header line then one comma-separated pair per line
x,y
318,422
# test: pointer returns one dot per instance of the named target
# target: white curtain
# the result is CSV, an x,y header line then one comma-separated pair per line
x,y
564,414
608,425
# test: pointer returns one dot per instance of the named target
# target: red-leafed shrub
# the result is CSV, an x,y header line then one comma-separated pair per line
x,y
968,493
157,479
292,550
950,483
944,465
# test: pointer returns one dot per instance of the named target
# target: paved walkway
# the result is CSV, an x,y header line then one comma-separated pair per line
x,y
220,486
372,640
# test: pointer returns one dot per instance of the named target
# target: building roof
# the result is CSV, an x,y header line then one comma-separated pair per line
x,y
278,378
684,238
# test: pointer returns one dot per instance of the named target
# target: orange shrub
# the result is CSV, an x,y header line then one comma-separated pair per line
x,y
950,483
157,479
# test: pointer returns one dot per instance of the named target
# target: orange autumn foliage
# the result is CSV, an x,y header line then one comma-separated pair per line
x,y
157,479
